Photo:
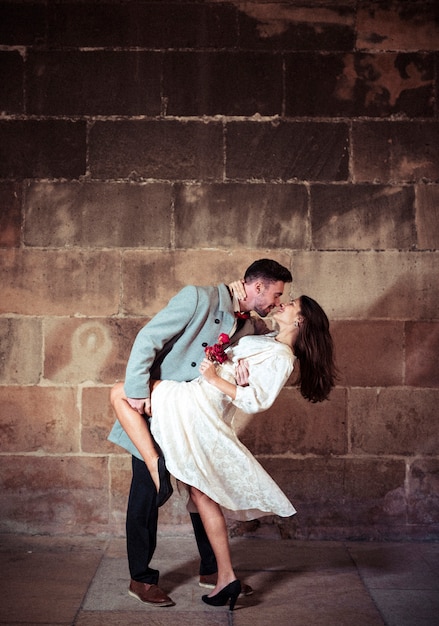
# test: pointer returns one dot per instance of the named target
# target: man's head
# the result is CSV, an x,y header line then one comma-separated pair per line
x,y
264,283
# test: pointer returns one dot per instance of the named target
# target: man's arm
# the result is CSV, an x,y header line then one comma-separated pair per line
x,y
165,326
242,373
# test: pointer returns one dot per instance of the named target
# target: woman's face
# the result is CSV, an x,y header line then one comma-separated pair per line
x,y
289,313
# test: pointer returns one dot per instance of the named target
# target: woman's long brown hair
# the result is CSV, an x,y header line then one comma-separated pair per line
x,y
315,350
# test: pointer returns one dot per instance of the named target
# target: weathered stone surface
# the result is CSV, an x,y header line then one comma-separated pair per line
x,y
42,148
21,341
119,468
296,426
423,499
369,285
89,215
361,217
398,26
165,150
226,215
50,566
10,215
37,282
296,26
427,216
93,83
351,85
395,152
369,353
151,25
399,421
422,354
11,93
96,421
286,151
94,350
150,279
145,146
22,24
225,83
54,494
39,419
339,495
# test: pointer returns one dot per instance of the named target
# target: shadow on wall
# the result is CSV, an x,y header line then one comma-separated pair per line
x,y
89,347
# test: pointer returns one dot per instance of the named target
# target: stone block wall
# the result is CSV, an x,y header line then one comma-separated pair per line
x,y
148,145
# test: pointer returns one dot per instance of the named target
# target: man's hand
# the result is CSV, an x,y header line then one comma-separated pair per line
x,y
237,289
241,373
141,405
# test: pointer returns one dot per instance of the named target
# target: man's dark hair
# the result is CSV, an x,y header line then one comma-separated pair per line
x,y
267,270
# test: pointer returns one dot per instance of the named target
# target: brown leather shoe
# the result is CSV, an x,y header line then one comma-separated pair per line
x,y
209,582
149,594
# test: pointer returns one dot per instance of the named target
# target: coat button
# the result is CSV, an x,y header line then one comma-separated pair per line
x,y
204,344
217,321
193,364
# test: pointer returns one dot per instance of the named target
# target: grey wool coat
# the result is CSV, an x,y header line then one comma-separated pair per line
x,y
171,346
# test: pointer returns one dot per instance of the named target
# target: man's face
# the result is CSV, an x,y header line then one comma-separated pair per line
x,y
264,297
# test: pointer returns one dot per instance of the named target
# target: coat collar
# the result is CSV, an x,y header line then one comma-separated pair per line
x,y
225,300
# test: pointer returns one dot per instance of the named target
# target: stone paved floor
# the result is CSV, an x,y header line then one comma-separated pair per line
x,y
83,582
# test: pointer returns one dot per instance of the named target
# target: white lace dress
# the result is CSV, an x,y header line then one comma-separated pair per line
x,y
192,423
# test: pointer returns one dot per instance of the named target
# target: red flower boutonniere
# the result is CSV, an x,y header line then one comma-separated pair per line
x,y
242,316
216,353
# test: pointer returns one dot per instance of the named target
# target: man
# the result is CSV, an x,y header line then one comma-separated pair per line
x,y
172,346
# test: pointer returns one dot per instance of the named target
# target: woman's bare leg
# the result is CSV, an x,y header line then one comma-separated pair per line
x,y
137,430
216,529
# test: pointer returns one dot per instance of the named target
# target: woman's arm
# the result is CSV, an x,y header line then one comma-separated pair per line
x,y
208,371
267,378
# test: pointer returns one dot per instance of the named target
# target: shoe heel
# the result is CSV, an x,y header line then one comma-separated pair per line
x,y
233,599
165,489
231,591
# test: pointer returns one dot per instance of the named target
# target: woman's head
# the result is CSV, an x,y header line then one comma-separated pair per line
x,y
289,314
313,346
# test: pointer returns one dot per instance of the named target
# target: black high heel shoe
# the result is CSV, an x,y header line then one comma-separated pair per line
x,y
165,490
232,591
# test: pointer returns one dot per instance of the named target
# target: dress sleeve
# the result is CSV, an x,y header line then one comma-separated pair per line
x,y
266,379
163,327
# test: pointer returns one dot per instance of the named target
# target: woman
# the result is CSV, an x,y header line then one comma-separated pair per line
x,y
191,422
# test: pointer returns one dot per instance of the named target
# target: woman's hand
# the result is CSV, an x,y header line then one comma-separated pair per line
x,y
237,289
208,370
